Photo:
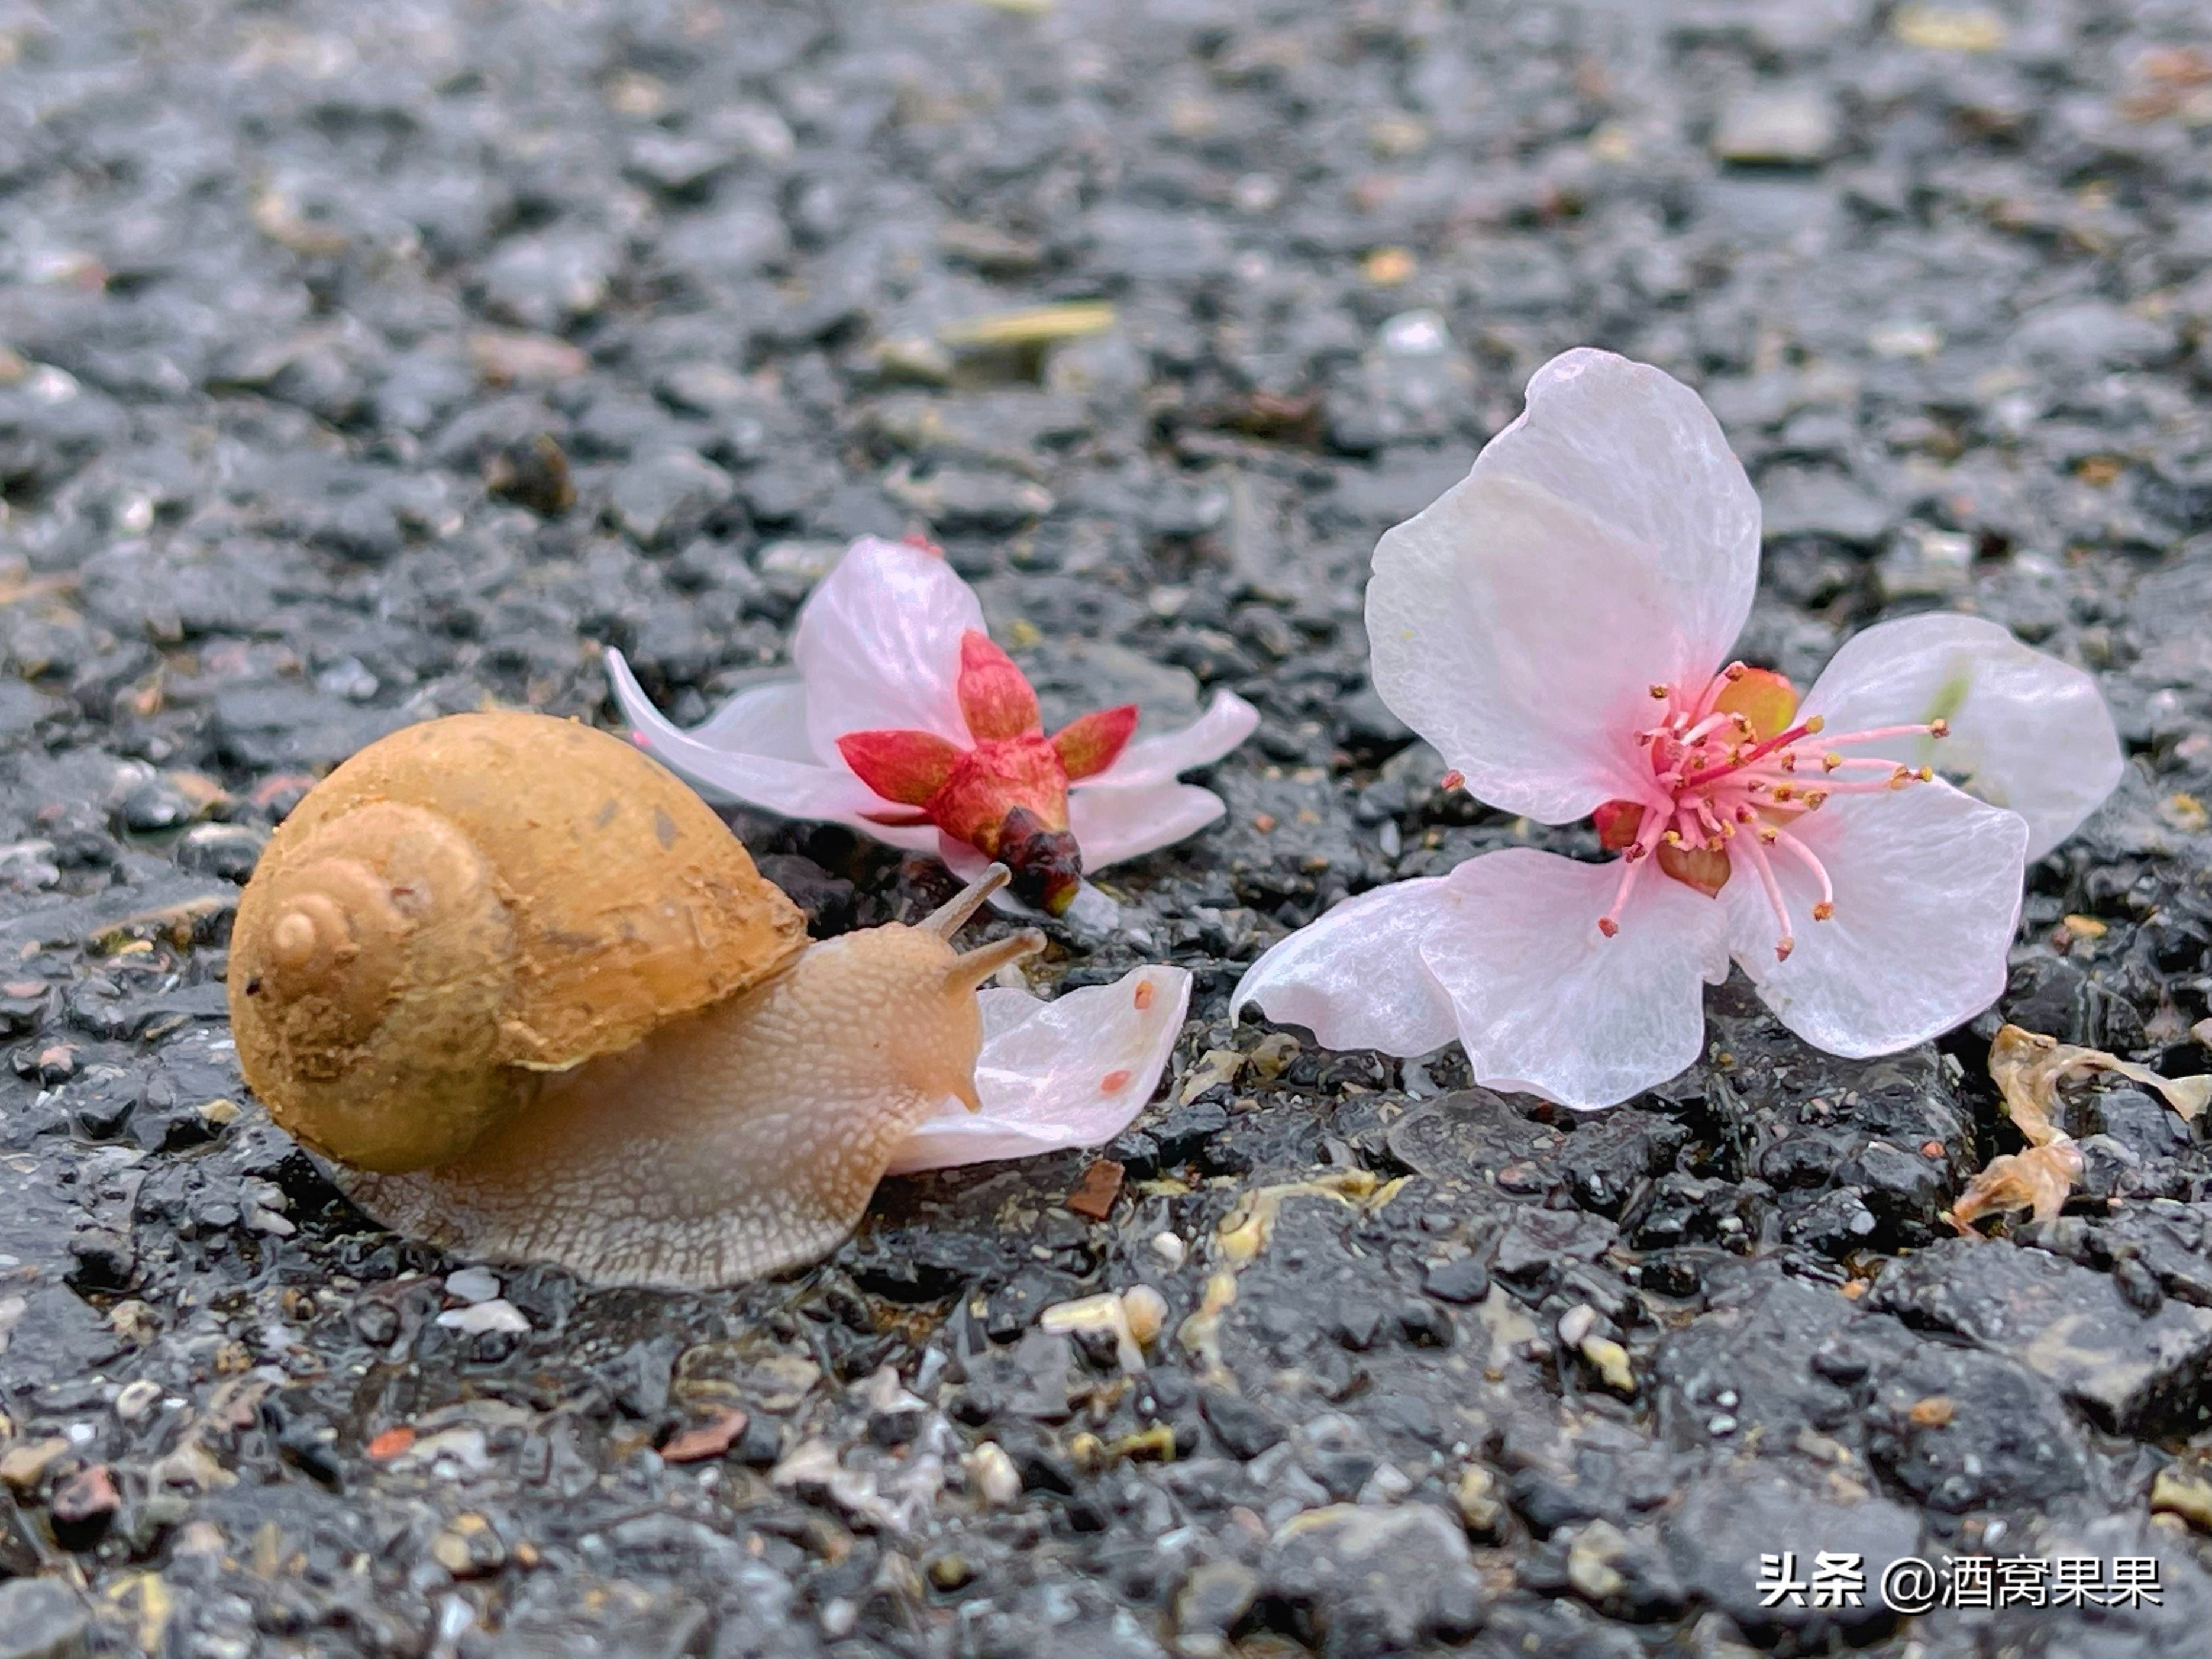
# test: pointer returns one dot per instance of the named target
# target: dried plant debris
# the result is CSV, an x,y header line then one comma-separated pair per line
x,y
2028,1069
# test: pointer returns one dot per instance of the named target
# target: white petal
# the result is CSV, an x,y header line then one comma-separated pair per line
x,y
768,719
1045,1066
1110,825
1355,977
879,644
1928,892
1227,721
797,789
1548,1004
1606,542
2029,732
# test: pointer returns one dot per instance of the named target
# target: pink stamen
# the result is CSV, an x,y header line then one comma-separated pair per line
x,y
1785,944
1881,733
1633,865
1756,752
1826,907
1710,778
1718,683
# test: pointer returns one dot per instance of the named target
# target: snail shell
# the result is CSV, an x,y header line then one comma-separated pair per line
x,y
469,904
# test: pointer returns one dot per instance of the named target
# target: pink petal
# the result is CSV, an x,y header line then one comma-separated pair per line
x,y
794,788
1227,721
1114,824
1606,542
1355,977
2029,732
1547,1003
879,644
1074,1071
1928,893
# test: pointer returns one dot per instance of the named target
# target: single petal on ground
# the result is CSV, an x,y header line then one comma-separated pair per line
x,y
1074,1071
1355,977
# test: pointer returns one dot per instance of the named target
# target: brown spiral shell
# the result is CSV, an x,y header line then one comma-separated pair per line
x,y
470,903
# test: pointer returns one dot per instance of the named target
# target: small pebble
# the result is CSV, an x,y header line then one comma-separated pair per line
x,y
496,1315
136,1399
1147,1310
473,1284
994,1476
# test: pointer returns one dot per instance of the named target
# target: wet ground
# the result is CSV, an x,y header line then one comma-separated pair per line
x,y
368,363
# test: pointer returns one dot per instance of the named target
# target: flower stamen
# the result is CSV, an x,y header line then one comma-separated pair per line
x,y
1825,910
1785,945
1714,773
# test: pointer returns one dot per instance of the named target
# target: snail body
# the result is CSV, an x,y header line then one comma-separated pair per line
x,y
531,1000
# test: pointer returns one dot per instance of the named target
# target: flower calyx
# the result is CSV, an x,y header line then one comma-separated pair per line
x,y
1005,792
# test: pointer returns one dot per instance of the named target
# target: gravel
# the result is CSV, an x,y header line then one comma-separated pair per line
x,y
363,368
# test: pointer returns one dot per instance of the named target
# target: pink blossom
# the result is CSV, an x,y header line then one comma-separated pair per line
x,y
1556,624
906,722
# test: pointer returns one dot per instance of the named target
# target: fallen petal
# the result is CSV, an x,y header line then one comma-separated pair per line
x,y
706,1440
793,788
1072,1072
498,1315
2027,1068
1355,977
769,719
2039,1180
1605,543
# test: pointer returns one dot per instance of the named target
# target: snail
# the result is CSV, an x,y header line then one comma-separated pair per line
x,y
529,998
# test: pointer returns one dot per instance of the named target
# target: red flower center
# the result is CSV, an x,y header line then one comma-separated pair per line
x,y
1005,793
